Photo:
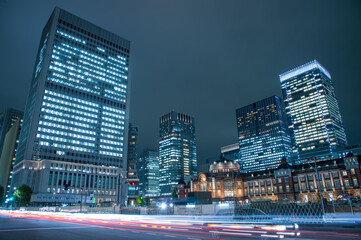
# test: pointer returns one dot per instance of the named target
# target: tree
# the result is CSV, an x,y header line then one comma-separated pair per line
x,y
140,200
22,195
2,193
174,194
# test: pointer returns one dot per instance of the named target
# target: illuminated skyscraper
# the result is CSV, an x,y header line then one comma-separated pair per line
x,y
263,135
231,152
312,110
177,151
74,134
148,172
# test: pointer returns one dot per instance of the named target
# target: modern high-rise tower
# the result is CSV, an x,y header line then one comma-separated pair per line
x,y
74,137
148,172
7,157
263,135
7,119
312,110
177,150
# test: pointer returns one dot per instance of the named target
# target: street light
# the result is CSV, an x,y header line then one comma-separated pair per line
x,y
234,191
319,186
81,198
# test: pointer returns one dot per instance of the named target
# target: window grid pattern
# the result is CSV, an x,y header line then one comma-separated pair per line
x,y
177,150
263,135
313,114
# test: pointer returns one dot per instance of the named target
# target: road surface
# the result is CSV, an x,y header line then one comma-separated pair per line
x,y
48,226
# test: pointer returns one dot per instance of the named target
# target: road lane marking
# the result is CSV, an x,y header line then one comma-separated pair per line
x,y
249,231
170,236
231,233
183,229
32,229
193,238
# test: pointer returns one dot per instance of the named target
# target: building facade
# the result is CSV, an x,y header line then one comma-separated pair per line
x,y
263,134
7,157
132,147
66,182
7,119
231,152
338,179
148,171
177,150
312,111
78,103
132,175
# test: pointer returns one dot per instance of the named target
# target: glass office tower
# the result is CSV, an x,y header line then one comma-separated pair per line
x,y
177,150
77,107
7,119
263,135
148,172
231,152
7,157
312,110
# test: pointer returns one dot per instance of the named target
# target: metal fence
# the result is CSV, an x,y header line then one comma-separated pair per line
x,y
311,212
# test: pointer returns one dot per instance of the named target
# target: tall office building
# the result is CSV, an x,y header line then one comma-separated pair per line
x,y
263,135
7,157
7,119
132,147
74,136
177,150
231,152
132,176
148,172
312,110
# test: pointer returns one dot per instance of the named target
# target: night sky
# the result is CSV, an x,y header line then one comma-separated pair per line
x,y
204,58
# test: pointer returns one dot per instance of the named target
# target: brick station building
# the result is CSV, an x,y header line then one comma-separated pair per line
x,y
338,179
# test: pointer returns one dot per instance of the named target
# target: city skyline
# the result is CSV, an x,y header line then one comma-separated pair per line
x,y
187,119
236,72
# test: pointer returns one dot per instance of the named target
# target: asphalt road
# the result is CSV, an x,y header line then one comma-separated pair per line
x,y
25,226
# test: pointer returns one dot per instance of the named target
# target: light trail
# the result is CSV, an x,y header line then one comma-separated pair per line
x,y
173,226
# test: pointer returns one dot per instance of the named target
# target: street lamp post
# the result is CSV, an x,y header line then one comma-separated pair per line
x,y
234,191
81,199
319,187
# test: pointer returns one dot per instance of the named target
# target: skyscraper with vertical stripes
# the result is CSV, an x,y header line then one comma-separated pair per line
x,y
312,111
74,136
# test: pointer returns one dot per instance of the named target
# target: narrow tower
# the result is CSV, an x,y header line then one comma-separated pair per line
x,y
177,151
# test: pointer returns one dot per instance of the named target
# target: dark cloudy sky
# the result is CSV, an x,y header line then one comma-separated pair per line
x,y
200,57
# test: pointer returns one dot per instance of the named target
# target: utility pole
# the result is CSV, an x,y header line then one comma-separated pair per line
x,y
118,190
234,192
319,188
81,198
